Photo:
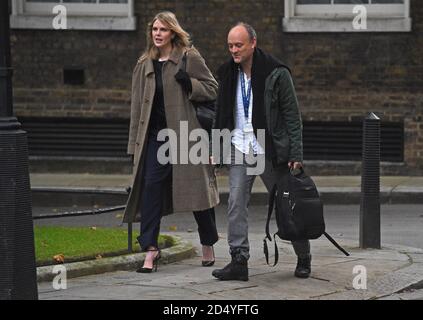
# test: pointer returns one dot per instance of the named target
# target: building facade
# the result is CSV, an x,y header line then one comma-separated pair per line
x,y
72,85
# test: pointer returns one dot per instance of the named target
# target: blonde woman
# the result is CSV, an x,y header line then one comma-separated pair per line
x,y
161,99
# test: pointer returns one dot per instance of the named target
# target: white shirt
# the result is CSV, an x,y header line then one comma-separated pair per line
x,y
244,138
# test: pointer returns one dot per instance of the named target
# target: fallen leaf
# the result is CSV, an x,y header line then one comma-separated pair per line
x,y
60,258
173,228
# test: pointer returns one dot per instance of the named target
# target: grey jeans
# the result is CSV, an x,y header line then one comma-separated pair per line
x,y
241,180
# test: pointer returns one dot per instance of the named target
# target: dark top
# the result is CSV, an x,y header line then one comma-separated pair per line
x,y
158,115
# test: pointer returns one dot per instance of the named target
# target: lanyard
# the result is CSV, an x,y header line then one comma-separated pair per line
x,y
245,96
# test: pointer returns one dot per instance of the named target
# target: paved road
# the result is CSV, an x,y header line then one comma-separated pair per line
x,y
401,224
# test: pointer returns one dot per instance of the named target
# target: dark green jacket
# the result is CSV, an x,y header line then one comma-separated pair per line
x,y
283,118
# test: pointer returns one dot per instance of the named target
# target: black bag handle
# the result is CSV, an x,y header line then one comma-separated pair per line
x,y
272,196
271,208
336,244
184,68
266,251
272,204
184,62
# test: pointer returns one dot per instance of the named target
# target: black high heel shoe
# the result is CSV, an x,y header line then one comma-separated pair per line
x,y
155,263
209,263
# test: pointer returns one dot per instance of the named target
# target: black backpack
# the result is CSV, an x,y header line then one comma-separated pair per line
x,y
299,212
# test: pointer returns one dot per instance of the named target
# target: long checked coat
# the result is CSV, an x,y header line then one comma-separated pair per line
x,y
193,186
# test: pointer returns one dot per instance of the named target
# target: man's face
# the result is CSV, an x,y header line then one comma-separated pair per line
x,y
239,44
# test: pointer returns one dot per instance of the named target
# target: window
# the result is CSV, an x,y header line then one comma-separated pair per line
x,y
338,15
81,14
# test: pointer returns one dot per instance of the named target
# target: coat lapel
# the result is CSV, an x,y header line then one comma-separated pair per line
x,y
149,68
176,55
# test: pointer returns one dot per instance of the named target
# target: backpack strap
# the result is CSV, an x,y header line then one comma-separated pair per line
x,y
266,251
272,196
336,244
184,62
276,251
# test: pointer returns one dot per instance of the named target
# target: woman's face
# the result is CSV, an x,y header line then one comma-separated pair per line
x,y
161,34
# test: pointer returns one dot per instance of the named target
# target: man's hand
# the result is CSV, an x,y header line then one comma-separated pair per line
x,y
294,165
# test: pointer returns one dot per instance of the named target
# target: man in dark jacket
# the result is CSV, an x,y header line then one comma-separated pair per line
x,y
256,94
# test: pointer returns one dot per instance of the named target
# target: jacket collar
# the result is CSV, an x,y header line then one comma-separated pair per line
x,y
176,55
149,68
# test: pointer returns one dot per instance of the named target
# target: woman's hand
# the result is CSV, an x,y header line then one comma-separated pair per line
x,y
184,80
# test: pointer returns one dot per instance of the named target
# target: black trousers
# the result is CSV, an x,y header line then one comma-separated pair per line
x,y
156,178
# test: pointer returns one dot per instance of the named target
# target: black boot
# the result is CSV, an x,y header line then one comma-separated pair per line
x,y
303,268
237,269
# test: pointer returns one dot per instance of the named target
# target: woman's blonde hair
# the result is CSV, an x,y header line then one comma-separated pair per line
x,y
181,38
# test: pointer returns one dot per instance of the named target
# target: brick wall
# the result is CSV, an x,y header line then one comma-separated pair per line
x,y
338,76
344,76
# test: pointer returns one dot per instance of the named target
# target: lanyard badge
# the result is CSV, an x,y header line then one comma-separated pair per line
x,y
246,98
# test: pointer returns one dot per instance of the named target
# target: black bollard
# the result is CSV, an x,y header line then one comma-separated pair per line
x,y
370,184
18,277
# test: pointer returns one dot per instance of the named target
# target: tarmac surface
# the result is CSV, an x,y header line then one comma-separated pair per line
x,y
333,189
394,272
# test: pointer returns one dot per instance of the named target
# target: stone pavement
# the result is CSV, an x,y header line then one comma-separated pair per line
x,y
390,270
